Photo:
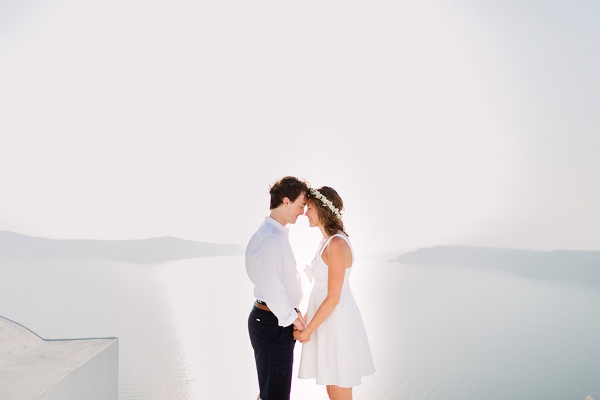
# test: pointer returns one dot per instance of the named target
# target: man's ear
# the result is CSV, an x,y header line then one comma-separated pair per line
x,y
286,201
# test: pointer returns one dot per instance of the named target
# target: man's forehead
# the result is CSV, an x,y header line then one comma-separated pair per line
x,y
301,199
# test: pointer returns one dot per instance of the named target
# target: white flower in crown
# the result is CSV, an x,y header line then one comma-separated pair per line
x,y
327,202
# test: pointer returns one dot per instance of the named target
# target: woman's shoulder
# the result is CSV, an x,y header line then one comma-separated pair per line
x,y
339,242
338,249
339,237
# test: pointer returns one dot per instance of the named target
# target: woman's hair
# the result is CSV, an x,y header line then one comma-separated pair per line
x,y
331,223
289,187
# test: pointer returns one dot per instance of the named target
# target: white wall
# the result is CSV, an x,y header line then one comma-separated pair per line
x,y
97,379
58,369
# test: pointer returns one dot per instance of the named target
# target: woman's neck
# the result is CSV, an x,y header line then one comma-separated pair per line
x,y
325,235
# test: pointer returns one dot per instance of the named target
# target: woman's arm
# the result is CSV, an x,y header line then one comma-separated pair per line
x,y
337,256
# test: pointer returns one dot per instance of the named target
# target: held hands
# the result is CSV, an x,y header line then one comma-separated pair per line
x,y
300,333
302,336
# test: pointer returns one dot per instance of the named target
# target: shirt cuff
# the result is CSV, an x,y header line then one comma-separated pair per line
x,y
290,319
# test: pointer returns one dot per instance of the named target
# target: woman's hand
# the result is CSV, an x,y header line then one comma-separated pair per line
x,y
302,336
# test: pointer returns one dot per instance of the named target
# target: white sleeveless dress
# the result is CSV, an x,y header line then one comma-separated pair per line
x,y
338,352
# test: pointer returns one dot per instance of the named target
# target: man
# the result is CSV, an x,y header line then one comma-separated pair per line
x,y
271,266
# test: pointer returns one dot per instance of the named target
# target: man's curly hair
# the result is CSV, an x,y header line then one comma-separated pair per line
x,y
288,186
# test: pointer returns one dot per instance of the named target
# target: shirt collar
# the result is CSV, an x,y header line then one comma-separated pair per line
x,y
278,225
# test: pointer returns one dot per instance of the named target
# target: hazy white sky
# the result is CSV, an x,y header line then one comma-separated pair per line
x,y
439,122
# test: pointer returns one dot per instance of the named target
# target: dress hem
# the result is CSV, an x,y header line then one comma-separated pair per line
x,y
335,384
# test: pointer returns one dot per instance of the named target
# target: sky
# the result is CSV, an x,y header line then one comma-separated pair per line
x,y
438,122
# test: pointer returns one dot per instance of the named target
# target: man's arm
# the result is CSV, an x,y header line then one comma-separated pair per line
x,y
268,256
300,322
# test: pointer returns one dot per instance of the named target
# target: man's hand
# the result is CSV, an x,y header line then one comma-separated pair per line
x,y
299,324
301,336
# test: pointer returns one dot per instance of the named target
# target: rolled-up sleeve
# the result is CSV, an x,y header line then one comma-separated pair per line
x,y
268,264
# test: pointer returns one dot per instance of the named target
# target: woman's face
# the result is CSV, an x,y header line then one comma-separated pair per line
x,y
312,215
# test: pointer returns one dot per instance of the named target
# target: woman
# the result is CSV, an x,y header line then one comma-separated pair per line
x,y
335,351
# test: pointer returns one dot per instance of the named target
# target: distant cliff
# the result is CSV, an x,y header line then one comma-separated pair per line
x,y
562,265
14,246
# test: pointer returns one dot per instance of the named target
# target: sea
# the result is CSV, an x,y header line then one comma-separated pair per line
x,y
436,332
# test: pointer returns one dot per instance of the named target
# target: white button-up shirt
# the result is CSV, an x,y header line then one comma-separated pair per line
x,y
271,266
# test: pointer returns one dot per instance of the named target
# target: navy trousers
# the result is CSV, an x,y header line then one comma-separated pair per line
x,y
273,352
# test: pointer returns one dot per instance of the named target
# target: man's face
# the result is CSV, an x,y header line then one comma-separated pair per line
x,y
296,208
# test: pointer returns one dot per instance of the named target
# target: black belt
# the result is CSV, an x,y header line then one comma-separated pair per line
x,y
265,304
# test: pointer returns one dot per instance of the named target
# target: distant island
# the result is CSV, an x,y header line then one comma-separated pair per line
x,y
560,265
14,246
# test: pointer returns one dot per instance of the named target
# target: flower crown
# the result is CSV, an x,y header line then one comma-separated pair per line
x,y
334,210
